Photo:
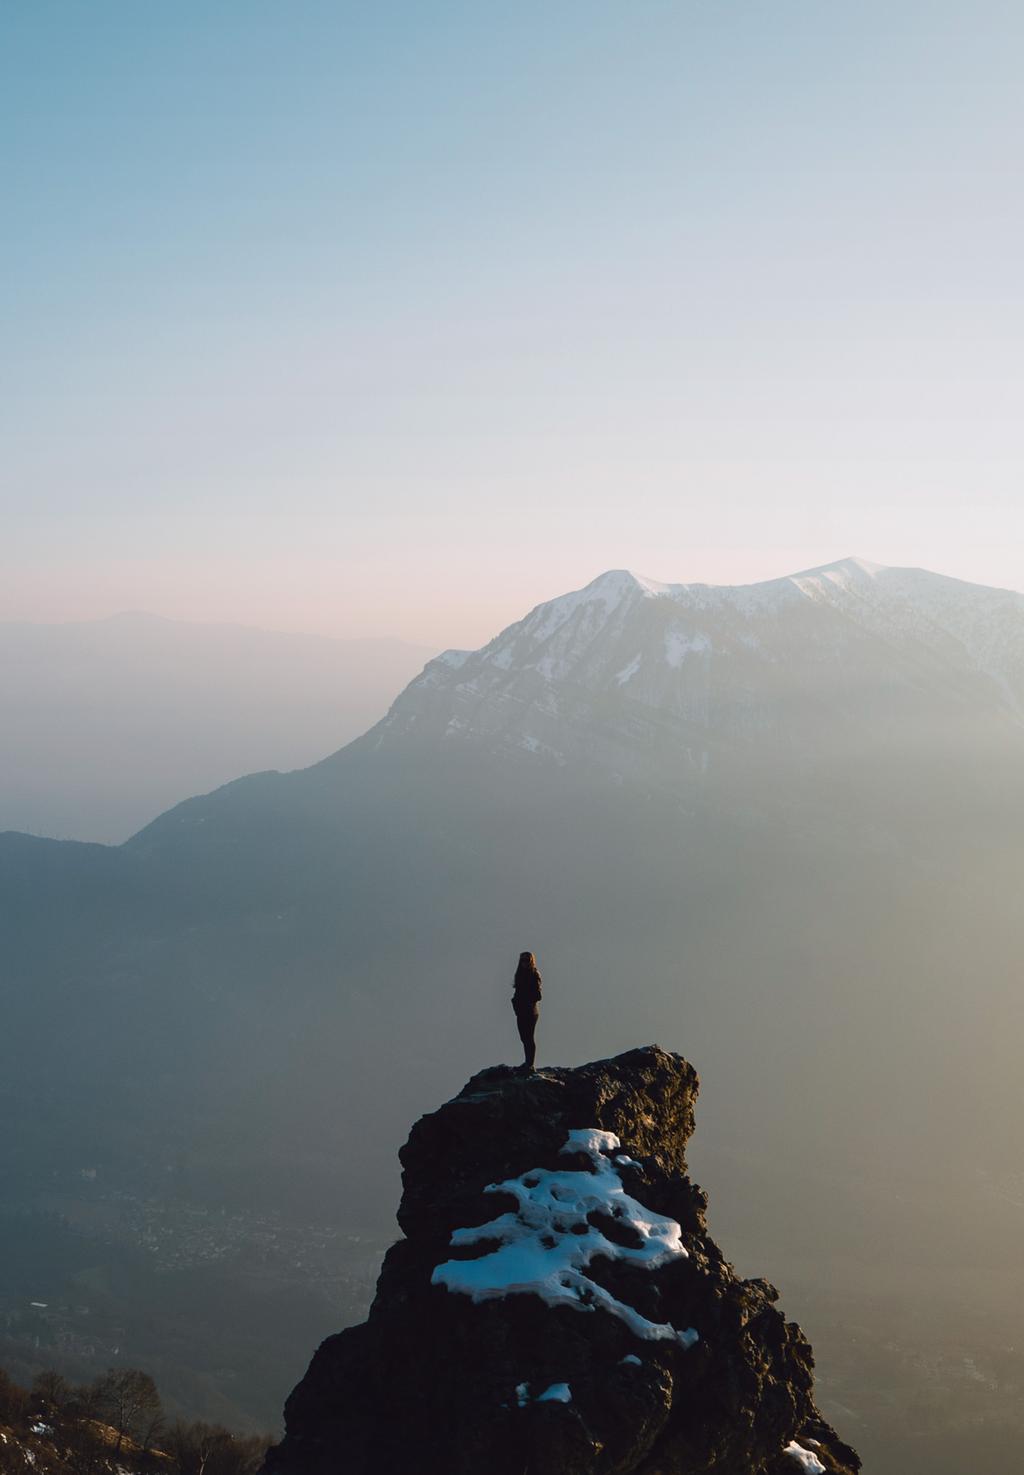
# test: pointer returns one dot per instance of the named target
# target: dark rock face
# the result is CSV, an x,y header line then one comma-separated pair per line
x,y
593,1328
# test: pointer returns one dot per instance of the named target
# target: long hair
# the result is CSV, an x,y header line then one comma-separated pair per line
x,y
528,979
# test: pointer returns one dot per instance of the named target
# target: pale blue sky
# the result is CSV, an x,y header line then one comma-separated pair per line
x,y
396,318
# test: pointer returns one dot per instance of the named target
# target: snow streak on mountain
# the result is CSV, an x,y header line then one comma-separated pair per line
x,y
629,673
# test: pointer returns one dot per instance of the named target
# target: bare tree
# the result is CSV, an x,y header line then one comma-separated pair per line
x,y
126,1398
51,1392
192,1446
150,1431
13,1400
210,1449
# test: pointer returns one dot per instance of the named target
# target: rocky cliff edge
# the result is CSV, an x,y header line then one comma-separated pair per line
x,y
557,1307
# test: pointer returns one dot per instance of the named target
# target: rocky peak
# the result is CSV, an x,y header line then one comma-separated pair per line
x,y
630,676
557,1306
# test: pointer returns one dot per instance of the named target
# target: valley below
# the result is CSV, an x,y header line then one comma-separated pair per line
x,y
222,1309
919,1360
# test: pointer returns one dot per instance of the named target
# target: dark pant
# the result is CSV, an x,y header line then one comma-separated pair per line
x,y
526,1023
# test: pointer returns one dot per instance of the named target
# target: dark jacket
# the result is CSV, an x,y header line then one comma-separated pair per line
x,y
528,982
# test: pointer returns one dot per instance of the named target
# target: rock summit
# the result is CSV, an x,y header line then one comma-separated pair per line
x,y
556,1306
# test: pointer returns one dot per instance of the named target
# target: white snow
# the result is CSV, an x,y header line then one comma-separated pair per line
x,y
545,1245
608,591
653,589
631,1359
628,672
534,745
805,1458
600,598
550,668
846,573
557,1393
680,643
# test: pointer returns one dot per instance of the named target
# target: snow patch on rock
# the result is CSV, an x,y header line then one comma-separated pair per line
x,y
546,1243
805,1458
557,1393
680,643
628,672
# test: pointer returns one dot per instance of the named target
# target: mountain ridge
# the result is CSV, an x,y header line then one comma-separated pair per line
x,y
661,642
614,582
625,665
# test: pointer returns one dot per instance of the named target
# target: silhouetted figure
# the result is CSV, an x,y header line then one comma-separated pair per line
x,y
526,1003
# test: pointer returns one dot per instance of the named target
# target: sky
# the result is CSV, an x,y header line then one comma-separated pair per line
x,y
395,319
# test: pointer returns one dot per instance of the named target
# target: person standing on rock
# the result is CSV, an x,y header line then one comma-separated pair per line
x,y
526,1003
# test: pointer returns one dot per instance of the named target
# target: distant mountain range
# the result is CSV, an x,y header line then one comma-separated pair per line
x,y
779,828
107,722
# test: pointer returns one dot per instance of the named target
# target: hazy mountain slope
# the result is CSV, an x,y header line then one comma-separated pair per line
x,y
107,722
253,996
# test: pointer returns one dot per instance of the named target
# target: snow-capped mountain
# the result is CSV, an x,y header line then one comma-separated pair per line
x,y
628,671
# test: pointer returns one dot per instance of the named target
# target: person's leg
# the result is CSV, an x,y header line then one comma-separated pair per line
x,y
522,1025
526,1023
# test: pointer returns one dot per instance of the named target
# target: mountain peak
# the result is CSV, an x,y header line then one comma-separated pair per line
x,y
843,569
850,565
695,669
627,581
624,581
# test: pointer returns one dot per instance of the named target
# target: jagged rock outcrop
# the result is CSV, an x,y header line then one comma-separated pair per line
x,y
557,1307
